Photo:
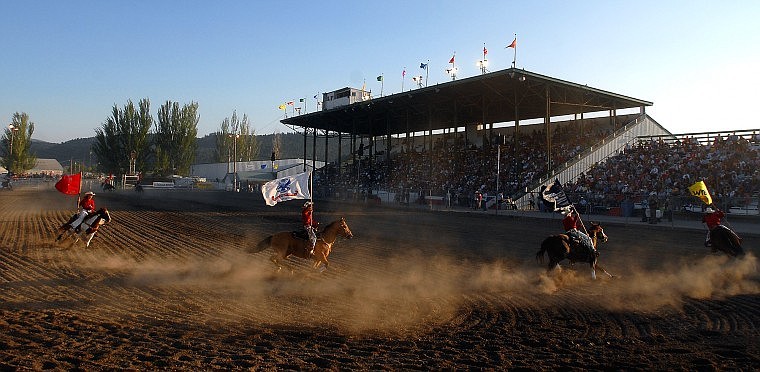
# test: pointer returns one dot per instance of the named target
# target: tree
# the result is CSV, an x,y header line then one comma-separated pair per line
x,y
276,147
125,132
17,142
175,138
236,140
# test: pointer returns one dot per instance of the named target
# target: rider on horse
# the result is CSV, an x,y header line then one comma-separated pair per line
x,y
570,223
308,224
712,218
87,207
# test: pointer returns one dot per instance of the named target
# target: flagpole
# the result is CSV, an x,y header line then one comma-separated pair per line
x,y
514,58
427,72
403,77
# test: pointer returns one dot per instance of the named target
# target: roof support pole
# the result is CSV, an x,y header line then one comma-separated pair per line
x,y
314,151
326,147
547,120
387,146
304,148
340,155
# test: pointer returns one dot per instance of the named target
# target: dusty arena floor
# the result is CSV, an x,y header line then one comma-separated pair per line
x,y
167,285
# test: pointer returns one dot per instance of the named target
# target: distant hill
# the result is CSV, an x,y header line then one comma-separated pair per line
x,y
292,147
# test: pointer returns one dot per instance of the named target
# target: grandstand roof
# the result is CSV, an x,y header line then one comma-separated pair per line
x,y
495,97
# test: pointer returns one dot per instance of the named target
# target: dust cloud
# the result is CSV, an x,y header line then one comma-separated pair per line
x,y
413,292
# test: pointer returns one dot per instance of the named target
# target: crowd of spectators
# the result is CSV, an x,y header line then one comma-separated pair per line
x,y
727,164
459,169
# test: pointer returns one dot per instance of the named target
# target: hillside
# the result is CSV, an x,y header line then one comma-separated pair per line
x,y
292,147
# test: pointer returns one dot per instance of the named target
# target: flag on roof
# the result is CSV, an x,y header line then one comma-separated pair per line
x,y
290,103
281,107
452,58
70,184
485,51
513,45
423,65
380,78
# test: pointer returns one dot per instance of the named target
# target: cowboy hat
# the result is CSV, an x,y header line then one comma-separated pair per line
x,y
709,210
89,193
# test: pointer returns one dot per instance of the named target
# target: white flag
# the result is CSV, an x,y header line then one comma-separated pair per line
x,y
287,188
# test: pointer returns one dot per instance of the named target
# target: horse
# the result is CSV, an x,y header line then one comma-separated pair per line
x,y
88,227
286,244
562,246
105,186
724,240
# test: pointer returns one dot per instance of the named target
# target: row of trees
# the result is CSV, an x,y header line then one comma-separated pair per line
x,y
170,147
16,143
162,146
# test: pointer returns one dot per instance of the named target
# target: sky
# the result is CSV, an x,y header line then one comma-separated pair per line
x,y
67,63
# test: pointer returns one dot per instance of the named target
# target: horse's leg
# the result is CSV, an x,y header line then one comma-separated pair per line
x,y
89,239
275,261
605,271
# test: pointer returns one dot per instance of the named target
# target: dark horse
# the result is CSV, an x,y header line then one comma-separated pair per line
x,y
286,244
724,240
562,246
88,227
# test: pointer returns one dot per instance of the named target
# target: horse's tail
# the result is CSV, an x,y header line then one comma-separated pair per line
x,y
262,245
540,253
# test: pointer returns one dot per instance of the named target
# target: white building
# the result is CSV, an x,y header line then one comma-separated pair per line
x,y
343,97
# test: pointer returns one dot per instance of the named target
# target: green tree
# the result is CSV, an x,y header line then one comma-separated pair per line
x,y
236,140
123,134
175,138
17,142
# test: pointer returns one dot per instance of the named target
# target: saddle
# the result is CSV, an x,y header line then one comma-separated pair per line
x,y
303,235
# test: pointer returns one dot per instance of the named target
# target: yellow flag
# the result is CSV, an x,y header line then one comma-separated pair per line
x,y
281,107
699,189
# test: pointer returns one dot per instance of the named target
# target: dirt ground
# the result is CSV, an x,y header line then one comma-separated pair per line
x,y
168,285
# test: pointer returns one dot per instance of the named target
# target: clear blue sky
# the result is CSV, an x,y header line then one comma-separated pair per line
x,y
66,63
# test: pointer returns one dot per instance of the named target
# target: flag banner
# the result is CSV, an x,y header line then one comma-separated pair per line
x,y
423,65
403,73
699,189
301,99
513,45
281,107
555,196
70,184
485,51
380,78
287,188
452,59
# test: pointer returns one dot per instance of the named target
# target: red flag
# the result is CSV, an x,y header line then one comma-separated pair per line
x,y
452,58
403,73
485,51
513,45
70,184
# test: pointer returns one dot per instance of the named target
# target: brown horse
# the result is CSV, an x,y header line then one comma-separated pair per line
x,y
726,241
562,246
285,244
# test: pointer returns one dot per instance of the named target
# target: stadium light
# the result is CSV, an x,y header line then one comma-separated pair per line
x,y
13,130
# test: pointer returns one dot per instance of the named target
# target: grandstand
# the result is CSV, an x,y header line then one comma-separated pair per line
x,y
507,133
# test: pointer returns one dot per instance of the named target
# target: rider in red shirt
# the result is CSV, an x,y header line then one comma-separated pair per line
x,y
308,224
713,218
571,223
87,206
